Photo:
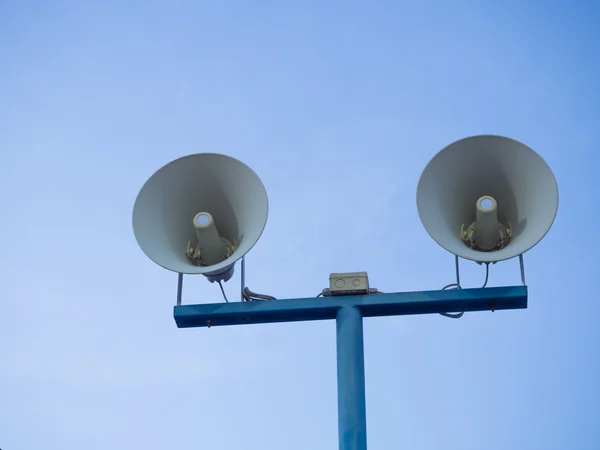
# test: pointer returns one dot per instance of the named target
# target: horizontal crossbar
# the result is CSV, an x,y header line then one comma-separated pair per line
x,y
372,305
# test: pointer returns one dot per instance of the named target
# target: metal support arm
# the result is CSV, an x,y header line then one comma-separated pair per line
x,y
301,309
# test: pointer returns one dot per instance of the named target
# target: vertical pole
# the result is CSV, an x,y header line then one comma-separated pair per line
x,y
522,264
352,416
243,277
179,287
457,272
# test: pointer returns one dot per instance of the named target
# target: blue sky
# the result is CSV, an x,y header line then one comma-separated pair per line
x,y
325,101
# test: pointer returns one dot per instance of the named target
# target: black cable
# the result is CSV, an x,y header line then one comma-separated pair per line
x,y
448,286
487,274
455,286
451,315
254,297
223,291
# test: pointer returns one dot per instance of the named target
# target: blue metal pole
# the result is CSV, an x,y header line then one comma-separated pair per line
x,y
352,415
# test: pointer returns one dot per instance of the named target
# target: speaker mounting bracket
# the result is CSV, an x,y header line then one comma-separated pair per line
x,y
521,265
179,288
243,283
243,278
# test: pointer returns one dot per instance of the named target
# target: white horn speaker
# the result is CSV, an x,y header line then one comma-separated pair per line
x,y
200,214
487,198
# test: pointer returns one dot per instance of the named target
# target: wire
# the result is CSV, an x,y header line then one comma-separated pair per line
x,y
223,291
320,294
456,286
487,274
451,315
448,286
254,297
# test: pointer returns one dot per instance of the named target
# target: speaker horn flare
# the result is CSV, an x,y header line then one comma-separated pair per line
x,y
200,214
487,198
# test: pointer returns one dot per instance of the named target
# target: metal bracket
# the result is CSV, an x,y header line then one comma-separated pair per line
x,y
243,278
243,283
457,272
179,287
521,264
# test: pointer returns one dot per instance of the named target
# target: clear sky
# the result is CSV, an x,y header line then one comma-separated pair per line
x,y
338,107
